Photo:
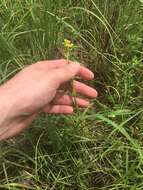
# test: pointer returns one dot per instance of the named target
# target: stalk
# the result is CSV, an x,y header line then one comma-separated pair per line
x,y
68,47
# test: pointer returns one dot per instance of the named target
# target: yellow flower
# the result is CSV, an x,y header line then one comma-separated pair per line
x,y
68,44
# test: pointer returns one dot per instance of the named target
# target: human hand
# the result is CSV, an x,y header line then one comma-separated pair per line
x,y
37,89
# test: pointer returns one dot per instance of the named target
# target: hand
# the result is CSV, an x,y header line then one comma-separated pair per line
x,y
37,89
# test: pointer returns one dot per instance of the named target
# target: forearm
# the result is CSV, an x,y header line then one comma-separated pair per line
x,y
6,109
13,116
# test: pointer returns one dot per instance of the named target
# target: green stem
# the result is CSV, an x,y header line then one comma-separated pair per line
x,y
73,93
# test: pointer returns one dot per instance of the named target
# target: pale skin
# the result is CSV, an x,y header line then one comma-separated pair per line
x,y
36,89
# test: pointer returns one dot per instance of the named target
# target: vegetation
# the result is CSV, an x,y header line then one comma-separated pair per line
x,y
96,148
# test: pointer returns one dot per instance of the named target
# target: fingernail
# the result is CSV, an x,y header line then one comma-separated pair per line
x,y
92,74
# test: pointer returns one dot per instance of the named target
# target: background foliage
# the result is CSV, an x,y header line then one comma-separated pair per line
x,y
96,148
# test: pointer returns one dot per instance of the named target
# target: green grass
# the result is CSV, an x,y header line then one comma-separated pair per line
x,y
98,148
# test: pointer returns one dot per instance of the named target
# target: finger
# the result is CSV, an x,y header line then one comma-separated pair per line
x,y
58,109
64,74
53,64
85,73
69,71
84,89
62,99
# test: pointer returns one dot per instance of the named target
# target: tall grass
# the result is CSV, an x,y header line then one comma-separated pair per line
x,y
96,148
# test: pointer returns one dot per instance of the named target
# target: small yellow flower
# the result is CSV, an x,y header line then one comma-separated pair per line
x,y
68,44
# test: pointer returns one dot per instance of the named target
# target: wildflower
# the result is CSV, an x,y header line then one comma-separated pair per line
x,y
68,44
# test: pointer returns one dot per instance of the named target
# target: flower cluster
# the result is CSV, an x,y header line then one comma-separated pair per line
x,y
68,44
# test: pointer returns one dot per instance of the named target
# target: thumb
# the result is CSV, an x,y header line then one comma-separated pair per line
x,y
66,73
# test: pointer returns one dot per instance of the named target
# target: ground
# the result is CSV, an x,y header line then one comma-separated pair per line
x,y
98,148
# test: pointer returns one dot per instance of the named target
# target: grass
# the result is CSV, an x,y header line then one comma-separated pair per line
x,y
96,148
